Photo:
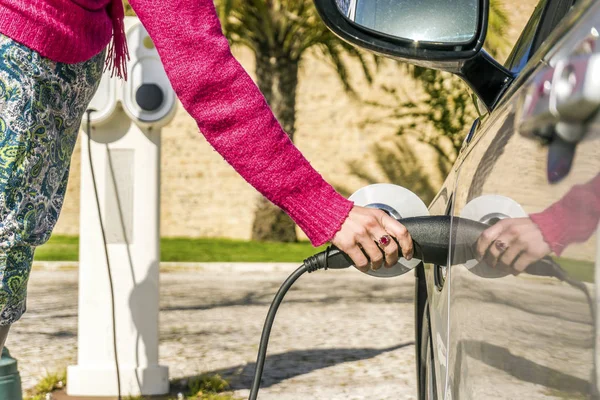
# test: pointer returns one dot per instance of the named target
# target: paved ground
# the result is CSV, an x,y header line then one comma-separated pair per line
x,y
339,334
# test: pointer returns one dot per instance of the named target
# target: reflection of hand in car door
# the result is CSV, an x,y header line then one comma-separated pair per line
x,y
514,242
519,242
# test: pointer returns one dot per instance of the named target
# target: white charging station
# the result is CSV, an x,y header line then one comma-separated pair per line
x,y
125,152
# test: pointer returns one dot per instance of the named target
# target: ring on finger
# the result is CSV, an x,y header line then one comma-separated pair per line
x,y
385,240
500,245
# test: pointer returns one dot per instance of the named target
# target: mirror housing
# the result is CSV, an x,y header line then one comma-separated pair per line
x,y
486,77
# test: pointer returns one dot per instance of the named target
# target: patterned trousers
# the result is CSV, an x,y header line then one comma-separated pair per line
x,y
41,106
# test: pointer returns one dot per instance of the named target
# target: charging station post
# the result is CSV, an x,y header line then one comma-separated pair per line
x,y
119,220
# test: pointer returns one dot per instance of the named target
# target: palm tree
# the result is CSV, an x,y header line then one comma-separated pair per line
x,y
395,161
280,33
441,114
128,10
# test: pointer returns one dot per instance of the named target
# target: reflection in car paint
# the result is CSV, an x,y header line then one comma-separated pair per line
x,y
441,350
525,334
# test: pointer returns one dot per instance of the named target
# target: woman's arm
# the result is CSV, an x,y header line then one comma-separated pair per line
x,y
519,242
572,219
236,120
233,115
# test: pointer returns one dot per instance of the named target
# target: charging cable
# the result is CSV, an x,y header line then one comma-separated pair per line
x,y
109,271
431,236
332,258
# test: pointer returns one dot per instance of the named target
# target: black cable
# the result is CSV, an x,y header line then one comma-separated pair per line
x,y
332,258
559,273
110,280
264,338
430,238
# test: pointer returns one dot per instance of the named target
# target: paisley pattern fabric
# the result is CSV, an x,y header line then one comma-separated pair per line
x,y
41,106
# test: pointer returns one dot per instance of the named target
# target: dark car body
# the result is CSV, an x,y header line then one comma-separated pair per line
x,y
524,336
530,163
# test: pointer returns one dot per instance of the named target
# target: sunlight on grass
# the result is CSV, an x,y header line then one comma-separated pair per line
x,y
66,248
48,384
579,270
204,387
209,387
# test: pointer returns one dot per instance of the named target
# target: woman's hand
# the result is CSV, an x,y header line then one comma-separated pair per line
x,y
513,242
363,229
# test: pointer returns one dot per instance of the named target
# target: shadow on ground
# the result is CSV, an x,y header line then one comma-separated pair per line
x,y
279,367
265,297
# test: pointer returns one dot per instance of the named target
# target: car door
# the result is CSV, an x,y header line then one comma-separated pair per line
x,y
434,307
534,160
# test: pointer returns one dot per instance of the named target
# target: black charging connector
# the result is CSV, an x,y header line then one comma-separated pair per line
x,y
432,238
332,258
429,232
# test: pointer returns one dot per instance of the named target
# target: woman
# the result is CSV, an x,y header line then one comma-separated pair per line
x,y
51,58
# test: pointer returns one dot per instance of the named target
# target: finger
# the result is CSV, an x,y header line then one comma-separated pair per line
x,y
488,236
526,241
401,234
391,253
506,230
514,262
373,251
498,248
509,257
524,261
390,250
358,257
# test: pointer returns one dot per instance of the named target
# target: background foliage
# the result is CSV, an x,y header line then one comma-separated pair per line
x,y
281,32
443,112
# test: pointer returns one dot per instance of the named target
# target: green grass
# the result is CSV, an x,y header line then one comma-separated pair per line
x,y
565,395
204,387
66,248
48,384
209,387
59,248
579,270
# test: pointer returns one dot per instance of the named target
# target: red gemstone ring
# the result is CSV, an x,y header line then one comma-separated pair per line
x,y
385,240
501,246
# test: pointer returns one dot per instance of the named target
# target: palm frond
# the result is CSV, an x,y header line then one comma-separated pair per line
x,y
496,42
288,29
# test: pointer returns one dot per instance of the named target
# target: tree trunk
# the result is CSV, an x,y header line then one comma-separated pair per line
x,y
264,75
278,79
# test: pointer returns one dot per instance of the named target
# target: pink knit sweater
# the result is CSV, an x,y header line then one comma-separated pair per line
x,y
572,219
212,86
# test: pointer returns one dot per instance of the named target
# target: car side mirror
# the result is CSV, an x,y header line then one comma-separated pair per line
x,y
439,34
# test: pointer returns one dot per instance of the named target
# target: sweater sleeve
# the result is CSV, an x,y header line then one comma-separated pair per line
x,y
572,219
233,115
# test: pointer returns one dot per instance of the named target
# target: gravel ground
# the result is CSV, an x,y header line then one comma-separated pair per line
x,y
338,335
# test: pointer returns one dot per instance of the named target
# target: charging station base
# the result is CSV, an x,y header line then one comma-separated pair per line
x,y
62,395
90,381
